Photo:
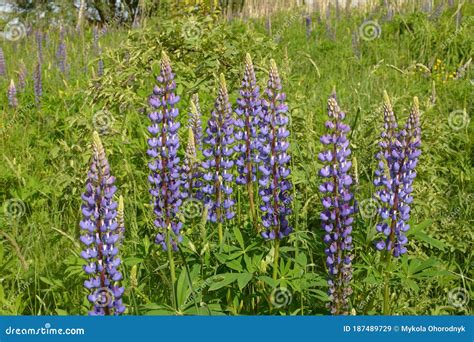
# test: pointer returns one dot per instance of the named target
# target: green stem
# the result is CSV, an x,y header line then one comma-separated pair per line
x,y
221,234
386,296
275,258
172,269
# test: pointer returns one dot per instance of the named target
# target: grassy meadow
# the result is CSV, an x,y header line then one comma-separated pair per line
x,y
45,151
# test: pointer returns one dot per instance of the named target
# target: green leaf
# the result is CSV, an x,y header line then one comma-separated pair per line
x,y
419,235
132,261
182,290
239,237
235,264
224,279
243,279
268,280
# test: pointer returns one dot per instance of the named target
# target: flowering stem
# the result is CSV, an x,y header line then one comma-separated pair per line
x,y
172,268
275,258
386,296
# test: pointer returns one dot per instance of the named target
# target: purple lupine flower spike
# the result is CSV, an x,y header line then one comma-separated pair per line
x,y
61,52
195,121
99,234
164,165
398,156
274,184
248,111
3,69
309,26
217,152
39,44
38,83
338,203
12,99
249,106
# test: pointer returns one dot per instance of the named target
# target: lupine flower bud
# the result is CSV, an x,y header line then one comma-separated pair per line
x,y
195,121
12,100
398,156
3,69
191,175
217,152
338,203
99,235
164,165
38,83
121,219
274,186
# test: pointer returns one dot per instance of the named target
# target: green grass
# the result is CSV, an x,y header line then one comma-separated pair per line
x,y
45,154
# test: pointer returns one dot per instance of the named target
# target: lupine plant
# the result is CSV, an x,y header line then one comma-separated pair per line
x,y
38,83
338,204
274,185
218,140
61,52
100,234
397,159
165,178
246,125
3,69
164,165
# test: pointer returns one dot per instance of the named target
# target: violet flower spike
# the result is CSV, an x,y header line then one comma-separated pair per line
x,y
99,234
3,69
61,52
163,145
274,185
398,157
12,99
339,208
217,152
38,83
309,26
